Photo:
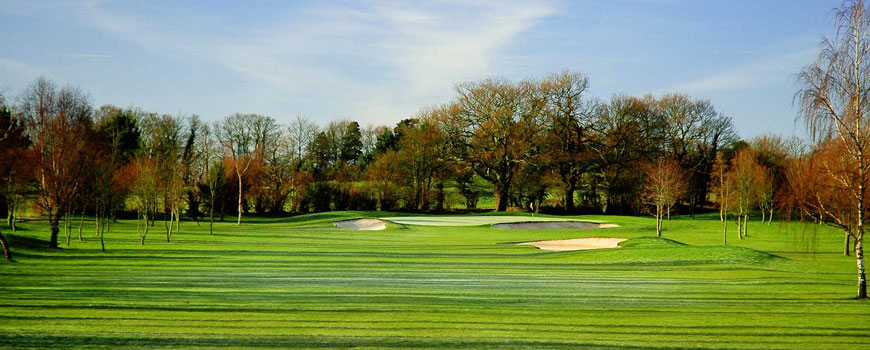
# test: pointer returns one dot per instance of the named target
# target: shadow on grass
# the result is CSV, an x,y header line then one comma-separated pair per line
x,y
18,242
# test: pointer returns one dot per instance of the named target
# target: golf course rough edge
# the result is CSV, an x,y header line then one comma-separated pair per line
x,y
362,224
561,245
550,225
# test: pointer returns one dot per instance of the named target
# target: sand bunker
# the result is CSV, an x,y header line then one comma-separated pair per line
x,y
560,245
582,225
362,224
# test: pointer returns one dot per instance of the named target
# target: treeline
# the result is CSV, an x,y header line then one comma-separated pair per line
x,y
535,143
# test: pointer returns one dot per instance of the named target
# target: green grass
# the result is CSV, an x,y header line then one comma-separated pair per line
x,y
469,220
301,283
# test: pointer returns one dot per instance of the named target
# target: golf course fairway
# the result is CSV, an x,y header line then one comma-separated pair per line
x,y
300,282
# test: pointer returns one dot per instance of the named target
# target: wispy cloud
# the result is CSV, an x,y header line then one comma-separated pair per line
x,y
19,69
384,59
760,73
86,55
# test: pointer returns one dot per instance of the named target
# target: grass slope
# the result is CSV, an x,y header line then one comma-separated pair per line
x,y
301,283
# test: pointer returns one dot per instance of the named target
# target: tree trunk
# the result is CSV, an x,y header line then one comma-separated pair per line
x,y
81,226
55,230
67,227
501,198
569,198
139,225
746,225
240,200
859,257
859,236
770,217
658,221
846,241
96,222
211,219
177,219
763,215
102,234
5,245
145,233
725,232
739,227
168,225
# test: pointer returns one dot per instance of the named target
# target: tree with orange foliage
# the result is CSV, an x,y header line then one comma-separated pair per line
x,y
14,166
244,138
15,162
146,191
385,174
565,136
423,154
496,125
664,183
835,100
744,180
811,192
720,185
58,122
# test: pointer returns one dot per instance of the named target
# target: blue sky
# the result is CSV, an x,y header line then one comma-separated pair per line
x,y
380,61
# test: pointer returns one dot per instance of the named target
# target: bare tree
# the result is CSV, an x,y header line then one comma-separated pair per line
x,y
745,179
300,132
664,184
834,100
145,190
210,161
568,116
719,182
244,138
56,121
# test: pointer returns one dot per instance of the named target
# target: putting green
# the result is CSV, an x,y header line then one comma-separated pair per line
x,y
470,220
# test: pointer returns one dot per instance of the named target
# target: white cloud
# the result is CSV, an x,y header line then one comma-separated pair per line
x,y
764,72
382,60
20,69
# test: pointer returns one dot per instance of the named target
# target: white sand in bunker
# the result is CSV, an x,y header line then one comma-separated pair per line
x,y
362,224
560,245
558,225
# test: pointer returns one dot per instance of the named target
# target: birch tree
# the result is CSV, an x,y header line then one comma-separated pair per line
x,y
244,138
719,183
835,100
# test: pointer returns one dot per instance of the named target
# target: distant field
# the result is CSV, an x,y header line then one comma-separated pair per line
x,y
302,283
